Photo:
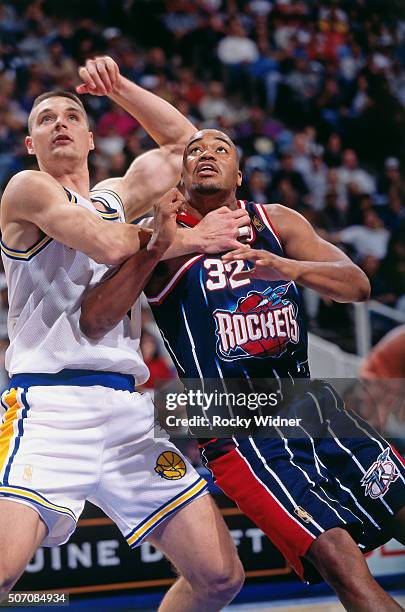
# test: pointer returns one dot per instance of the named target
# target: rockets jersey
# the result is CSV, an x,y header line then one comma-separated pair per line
x,y
46,286
217,326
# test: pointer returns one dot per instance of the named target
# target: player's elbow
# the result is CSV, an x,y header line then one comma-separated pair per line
x,y
353,286
359,291
91,329
111,255
90,324
362,287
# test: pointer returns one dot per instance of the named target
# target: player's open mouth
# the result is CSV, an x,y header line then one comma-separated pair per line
x,y
207,170
62,138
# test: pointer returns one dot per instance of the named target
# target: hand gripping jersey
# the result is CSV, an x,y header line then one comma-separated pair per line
x,y
46,285
220,327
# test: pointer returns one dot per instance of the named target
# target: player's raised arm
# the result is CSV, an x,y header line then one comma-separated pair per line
x,y
154,173
38,203
309,260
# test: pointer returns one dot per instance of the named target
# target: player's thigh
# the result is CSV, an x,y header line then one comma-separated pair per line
x,y
21,532
197,541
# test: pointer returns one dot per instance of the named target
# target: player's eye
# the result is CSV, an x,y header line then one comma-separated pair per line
x,y
222,149
46,118
75,117
195,149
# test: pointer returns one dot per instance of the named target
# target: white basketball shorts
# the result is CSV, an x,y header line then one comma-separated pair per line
x,y
62,445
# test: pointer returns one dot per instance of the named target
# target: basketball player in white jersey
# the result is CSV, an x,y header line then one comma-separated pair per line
x,y
74,427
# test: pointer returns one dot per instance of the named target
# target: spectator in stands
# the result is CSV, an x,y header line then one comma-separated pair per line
x,y
333,151
391,277
317,179
214,104
331,217
286,180
354,179
236,48
235,52
255,188
390,183
301,152
370,238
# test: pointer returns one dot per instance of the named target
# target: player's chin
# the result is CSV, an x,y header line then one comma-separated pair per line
x,y
65,153
207,187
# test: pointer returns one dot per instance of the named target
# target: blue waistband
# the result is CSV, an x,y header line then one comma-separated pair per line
x,y
75,378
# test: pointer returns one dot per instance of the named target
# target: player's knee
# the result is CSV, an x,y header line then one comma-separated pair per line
x,y
226,584
222,582
330,554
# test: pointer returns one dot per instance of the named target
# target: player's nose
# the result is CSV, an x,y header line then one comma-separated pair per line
x,y
207,154
60,122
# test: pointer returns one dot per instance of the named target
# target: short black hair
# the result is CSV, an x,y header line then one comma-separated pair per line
x,y
56,93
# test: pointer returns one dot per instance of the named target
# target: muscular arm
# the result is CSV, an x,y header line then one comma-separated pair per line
x,y
149,176
309,260
107,304
34,203
215,233
155,172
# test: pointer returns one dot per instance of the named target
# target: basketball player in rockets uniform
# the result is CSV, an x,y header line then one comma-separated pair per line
x,y
74,427
314,498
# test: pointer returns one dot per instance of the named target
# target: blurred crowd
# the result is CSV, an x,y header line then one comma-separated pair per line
x,y
311,91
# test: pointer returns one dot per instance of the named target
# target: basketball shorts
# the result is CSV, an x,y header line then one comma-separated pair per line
x,y
63,445
295,488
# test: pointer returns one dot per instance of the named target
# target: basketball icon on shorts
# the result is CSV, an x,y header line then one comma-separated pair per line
x,y
170,465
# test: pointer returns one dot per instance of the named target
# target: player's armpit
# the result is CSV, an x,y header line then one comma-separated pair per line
x,y
35,199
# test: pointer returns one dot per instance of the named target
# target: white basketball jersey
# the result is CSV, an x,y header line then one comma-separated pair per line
x,y
46,285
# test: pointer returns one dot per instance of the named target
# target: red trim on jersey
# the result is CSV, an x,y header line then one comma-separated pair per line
x,y
264,211
158,299
235,478
185,217
206,443
397,454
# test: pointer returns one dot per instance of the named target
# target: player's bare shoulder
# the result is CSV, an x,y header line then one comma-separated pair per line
x,y
24,190
27,193
284,219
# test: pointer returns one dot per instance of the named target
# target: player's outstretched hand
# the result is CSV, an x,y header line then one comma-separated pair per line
x,y
220,229
263,264
100,76
165,213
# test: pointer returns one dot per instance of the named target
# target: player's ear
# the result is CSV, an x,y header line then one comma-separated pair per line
x,y
91,141
30,145
239,179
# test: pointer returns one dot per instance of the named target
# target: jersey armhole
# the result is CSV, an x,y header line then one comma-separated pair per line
x,y
98,195
265,217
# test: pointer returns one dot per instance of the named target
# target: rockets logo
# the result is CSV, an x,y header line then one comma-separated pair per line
x,y
380,475
261,325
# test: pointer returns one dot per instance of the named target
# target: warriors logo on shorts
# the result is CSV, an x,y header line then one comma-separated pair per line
x,y
380,475
171,466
